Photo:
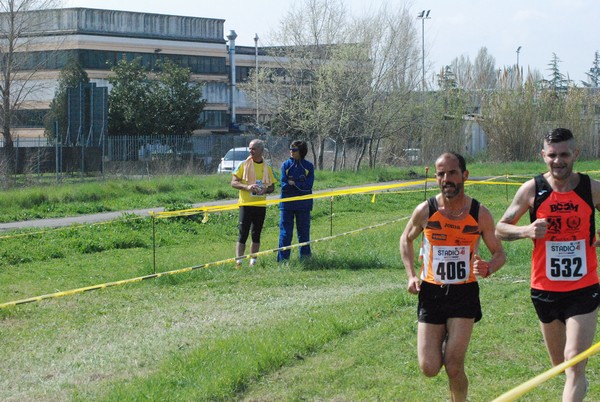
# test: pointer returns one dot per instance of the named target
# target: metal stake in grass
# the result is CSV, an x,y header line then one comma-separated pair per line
x,y
154,244
426,177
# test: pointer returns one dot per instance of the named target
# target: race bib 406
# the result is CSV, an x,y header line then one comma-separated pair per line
x,y
451,264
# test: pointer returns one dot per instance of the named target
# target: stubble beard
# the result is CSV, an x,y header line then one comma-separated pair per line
x,y
451,190
561,173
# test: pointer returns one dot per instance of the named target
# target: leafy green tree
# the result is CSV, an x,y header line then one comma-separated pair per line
x,y
129,99
70,77
179,103
162,102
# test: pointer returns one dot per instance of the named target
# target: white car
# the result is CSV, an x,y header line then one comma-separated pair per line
x,y
412,155
234,158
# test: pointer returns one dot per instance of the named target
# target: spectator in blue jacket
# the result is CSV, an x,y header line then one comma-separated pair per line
x,y
297,178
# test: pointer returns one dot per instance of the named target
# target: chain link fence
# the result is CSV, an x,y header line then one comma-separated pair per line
x,y
133,155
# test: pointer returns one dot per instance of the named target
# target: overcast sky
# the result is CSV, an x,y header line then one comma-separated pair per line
x,y
569,28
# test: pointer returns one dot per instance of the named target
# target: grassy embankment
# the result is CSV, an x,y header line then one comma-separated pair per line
x,y
339,327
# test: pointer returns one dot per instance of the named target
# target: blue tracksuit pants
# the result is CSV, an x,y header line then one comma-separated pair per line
x,y
286,232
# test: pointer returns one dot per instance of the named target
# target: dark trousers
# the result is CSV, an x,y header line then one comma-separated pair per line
x,y
251,218
286,232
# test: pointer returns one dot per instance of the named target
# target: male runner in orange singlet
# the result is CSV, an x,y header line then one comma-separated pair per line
x,y
564,276
449,305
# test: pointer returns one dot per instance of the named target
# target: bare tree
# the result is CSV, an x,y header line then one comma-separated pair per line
x,y
484,70
19,23
390,102
343,80
298,97
462,68
479,75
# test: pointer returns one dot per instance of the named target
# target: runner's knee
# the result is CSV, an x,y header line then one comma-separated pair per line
x,y
430,369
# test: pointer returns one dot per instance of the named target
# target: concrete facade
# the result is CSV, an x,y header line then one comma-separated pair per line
x,y
99,38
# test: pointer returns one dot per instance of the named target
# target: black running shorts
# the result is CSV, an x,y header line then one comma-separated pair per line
x,y
438,303
551,306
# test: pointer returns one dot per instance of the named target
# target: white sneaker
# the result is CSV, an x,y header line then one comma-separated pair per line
x,y
252,262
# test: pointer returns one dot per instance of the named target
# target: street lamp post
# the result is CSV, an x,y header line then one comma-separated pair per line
x,y
157,57
518,51
232,36
423,15
256,74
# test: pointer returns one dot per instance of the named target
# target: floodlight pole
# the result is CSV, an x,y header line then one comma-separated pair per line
x,y
423,15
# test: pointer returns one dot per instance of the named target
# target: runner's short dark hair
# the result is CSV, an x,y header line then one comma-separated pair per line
x,y
558,135
462,163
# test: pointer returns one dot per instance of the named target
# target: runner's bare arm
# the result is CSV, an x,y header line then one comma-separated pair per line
x,y
507,228
486,224
596,200
413,229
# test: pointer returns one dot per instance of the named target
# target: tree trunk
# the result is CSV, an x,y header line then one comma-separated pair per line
x,y
321,148
335,157
360,156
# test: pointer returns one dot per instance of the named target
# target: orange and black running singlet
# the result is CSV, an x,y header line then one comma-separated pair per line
x,y
565,259
449,245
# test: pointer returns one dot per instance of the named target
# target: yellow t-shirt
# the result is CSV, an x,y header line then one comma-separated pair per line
x,y
246,196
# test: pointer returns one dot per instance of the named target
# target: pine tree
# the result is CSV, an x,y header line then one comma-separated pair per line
x,y
557,83
594,73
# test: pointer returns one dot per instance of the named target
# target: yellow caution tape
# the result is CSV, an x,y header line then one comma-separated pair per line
x,y
182,270
516,392
332,193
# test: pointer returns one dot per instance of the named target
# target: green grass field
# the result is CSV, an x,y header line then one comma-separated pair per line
x,y
338,327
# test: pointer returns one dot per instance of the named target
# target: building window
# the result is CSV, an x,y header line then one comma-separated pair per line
x,y
104,60
213,119
29,118
242,73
